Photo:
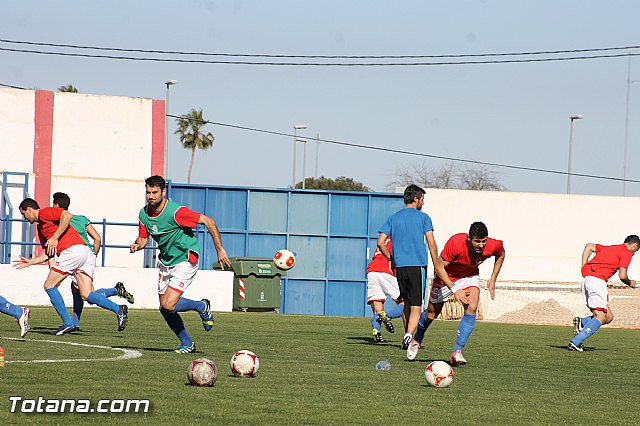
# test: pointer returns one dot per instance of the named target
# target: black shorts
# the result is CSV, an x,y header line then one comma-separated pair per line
x,y
411,281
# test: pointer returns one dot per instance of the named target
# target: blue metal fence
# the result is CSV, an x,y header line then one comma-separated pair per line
x,y
332,233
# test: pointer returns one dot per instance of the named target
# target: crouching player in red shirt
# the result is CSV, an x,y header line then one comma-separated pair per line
x,y
596,273
457,269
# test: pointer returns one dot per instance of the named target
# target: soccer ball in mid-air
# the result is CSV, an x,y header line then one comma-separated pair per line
x,y
284,259
244,364
438,374
202,372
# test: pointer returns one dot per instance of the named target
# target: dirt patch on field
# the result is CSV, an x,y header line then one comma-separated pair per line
x,y
547,312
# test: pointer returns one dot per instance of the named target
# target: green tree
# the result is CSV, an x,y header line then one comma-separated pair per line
x,y
340,183
69,88
192,136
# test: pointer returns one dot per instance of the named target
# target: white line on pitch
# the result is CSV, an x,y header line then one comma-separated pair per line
x,y
126,353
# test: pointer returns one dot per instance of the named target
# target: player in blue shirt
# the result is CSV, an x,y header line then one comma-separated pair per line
x,y
408,229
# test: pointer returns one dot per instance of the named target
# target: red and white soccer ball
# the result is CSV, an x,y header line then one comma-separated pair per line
x,y
438,374
284,259
202,372
244,364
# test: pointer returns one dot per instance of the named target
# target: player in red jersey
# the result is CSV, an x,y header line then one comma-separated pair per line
x,y
382,282
70,253
596,272
457,269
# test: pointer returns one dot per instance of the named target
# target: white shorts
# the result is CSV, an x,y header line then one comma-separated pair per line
x,y
178,277
380,285
441,293
74,259
89,268
596,295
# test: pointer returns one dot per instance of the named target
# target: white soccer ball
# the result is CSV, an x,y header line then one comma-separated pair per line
x,y
438,374
284,259
202,372
244,364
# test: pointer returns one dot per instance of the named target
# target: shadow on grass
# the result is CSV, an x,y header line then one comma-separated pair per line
x,y
361,340
586,348
147,349
429,360
50,331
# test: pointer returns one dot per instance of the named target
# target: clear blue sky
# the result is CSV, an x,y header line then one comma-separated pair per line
x,y
514,114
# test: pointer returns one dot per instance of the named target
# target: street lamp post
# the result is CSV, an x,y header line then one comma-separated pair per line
x,y
166,127
573,117
317,144
295,140
304,161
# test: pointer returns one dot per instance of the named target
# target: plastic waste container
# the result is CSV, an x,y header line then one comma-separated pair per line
x,y
256,284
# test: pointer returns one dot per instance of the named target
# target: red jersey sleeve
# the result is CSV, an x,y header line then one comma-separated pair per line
x,y
498,248
142,231
50,214
451,250
187,217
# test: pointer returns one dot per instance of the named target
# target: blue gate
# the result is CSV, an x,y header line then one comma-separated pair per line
x,y
332,233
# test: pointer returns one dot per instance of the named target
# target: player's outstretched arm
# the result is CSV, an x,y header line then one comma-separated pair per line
x,y
491,282
207,221
24,262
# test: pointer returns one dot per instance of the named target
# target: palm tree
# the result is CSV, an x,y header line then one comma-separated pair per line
x,y
68,88
191,137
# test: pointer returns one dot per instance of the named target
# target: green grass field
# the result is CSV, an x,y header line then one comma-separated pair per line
x,y
320,370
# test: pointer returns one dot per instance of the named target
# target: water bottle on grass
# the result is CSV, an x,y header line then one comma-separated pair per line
x,y
383,365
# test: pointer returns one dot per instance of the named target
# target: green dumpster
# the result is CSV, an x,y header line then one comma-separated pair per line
x,y
256,284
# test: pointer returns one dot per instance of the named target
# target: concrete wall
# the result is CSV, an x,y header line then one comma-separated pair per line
x,y
543,234
24,287
97,149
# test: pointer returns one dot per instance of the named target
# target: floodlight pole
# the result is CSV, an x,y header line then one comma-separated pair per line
x,y
295,139
168,83
573,117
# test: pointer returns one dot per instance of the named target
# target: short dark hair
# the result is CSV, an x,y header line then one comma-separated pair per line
x,y
412,192
29,202
632,239
156,182
478,230
62,200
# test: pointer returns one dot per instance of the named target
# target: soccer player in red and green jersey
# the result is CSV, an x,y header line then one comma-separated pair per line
x,y
171,226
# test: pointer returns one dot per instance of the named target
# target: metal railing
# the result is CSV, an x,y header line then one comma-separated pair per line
x,y
27,242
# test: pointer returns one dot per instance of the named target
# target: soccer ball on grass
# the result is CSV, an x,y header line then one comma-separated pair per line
x,y
284,259
244,364
438,374
202,372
